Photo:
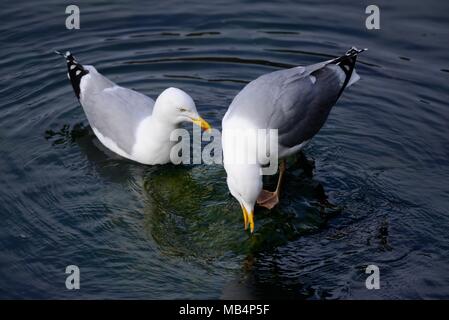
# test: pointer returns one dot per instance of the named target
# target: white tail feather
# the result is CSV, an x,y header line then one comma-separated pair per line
x,y
354,78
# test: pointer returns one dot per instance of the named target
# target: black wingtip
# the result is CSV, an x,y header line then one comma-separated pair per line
x,y
347,61
75,71
354,51
347,64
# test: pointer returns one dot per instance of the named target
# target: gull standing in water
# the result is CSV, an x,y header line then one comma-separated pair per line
x,y
127,122
294,101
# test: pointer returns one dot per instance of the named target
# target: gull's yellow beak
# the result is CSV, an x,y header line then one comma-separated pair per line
x,y
202,123
248,219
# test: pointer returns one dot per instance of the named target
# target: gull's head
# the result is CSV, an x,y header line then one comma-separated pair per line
x,y
176,106
245,184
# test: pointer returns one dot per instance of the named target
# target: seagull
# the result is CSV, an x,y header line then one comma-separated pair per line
x,y
127,122
294,101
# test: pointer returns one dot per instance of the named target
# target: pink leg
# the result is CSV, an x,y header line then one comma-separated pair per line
x,y
269,199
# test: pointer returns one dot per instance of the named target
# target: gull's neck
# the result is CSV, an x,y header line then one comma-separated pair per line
x,y
161,127
153,140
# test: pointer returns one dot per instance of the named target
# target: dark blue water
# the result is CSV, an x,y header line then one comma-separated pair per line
x,y
174,231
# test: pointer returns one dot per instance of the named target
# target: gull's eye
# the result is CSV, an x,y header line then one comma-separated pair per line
x,y
182,109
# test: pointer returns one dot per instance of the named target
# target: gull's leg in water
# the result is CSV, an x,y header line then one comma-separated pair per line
x,y
307,165
269,199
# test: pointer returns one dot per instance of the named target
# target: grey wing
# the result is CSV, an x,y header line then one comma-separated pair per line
x,y
116,113
304,103
256,99
295,101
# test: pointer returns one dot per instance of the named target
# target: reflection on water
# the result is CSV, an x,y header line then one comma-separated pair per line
x,y
372,190
189,212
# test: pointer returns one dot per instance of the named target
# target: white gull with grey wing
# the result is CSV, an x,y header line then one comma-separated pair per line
x,y
294,101
127,122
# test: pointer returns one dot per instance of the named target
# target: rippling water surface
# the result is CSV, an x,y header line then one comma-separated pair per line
x,y
174,231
